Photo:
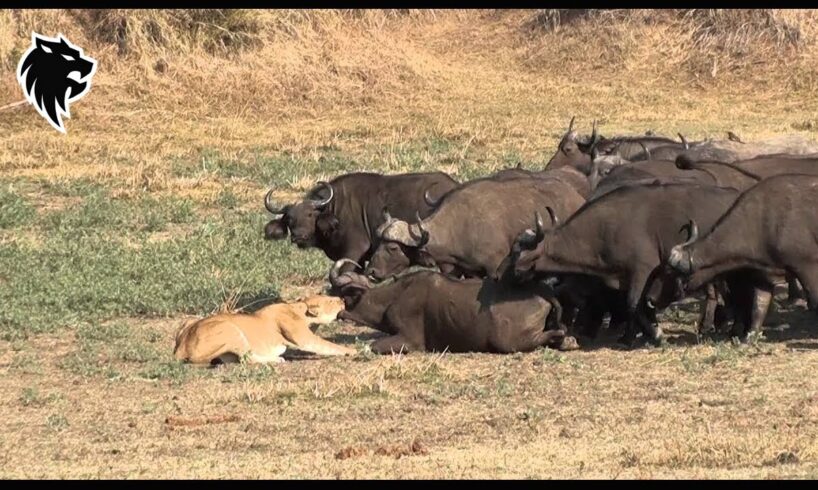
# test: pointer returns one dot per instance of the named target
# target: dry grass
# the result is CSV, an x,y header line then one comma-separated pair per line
x,y
691,411
389,91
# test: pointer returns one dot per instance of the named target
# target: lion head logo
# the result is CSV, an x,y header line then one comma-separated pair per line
x,y
54,73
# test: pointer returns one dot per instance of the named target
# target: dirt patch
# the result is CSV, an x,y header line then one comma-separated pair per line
x,y
174,421
397,451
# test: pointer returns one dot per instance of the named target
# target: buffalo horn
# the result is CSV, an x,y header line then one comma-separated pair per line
x,y
334,272
684,141
268,203
539,228
594,134
646,150
692,233
424,233
319,203
554,220
428,198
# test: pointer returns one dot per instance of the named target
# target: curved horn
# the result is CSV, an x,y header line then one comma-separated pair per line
x,y
539,231
268,203
428,198
692,233
334,272
386,216
645,149
594,134
684,141
554,220
319,203
571,124
424,233
530,238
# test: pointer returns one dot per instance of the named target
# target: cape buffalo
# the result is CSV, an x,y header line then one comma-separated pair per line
x,y
624,249
472,229
340,217
427,311
770,228
746,173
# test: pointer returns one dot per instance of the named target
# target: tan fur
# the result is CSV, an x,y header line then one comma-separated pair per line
x,y
262,336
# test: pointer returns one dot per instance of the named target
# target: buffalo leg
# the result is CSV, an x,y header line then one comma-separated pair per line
x,y
636,288
589,319
393,344
555,339
762,297
751,295
809,279
707,323
794,291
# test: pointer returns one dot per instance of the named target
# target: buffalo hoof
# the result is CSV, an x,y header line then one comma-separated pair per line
x,y
797,303
750,337
628,341
568,344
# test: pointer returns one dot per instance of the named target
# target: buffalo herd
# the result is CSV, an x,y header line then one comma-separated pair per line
x,y
617,228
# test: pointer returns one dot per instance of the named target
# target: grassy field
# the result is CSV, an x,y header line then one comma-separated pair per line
x,y
149,211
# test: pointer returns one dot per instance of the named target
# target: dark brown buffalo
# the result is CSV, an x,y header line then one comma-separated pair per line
x,y
569,175
472,229
623,249
747,172
771,228
744,174
340,217
579,152
638,148
427,311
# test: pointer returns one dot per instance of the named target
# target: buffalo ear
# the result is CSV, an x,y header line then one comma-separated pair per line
x,y
424,259
327,223
276,229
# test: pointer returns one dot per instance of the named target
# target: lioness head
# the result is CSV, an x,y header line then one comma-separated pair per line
x,y
323,309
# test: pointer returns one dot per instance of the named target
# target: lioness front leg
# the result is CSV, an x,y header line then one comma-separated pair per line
x,y
304,339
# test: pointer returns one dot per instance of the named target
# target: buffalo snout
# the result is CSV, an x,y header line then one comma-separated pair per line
x,y
680,260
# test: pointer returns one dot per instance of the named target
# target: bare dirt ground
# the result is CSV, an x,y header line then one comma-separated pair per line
x,y
709,410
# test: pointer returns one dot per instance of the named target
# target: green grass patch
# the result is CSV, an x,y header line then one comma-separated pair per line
x,y
15,211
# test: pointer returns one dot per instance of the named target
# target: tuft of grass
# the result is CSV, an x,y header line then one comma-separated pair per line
x,y
56,422
15,211
31,397
243,372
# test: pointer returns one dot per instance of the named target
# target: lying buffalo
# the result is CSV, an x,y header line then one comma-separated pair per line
x,y
770,228
580,152
472,229
427,311
638,148
340,217
623,249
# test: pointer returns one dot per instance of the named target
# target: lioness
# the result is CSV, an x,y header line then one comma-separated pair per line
x,y
262,336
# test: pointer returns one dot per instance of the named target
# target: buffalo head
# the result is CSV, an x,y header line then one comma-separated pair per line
x,y
681,256
351,284
305,220
400,246
575,151
530,246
